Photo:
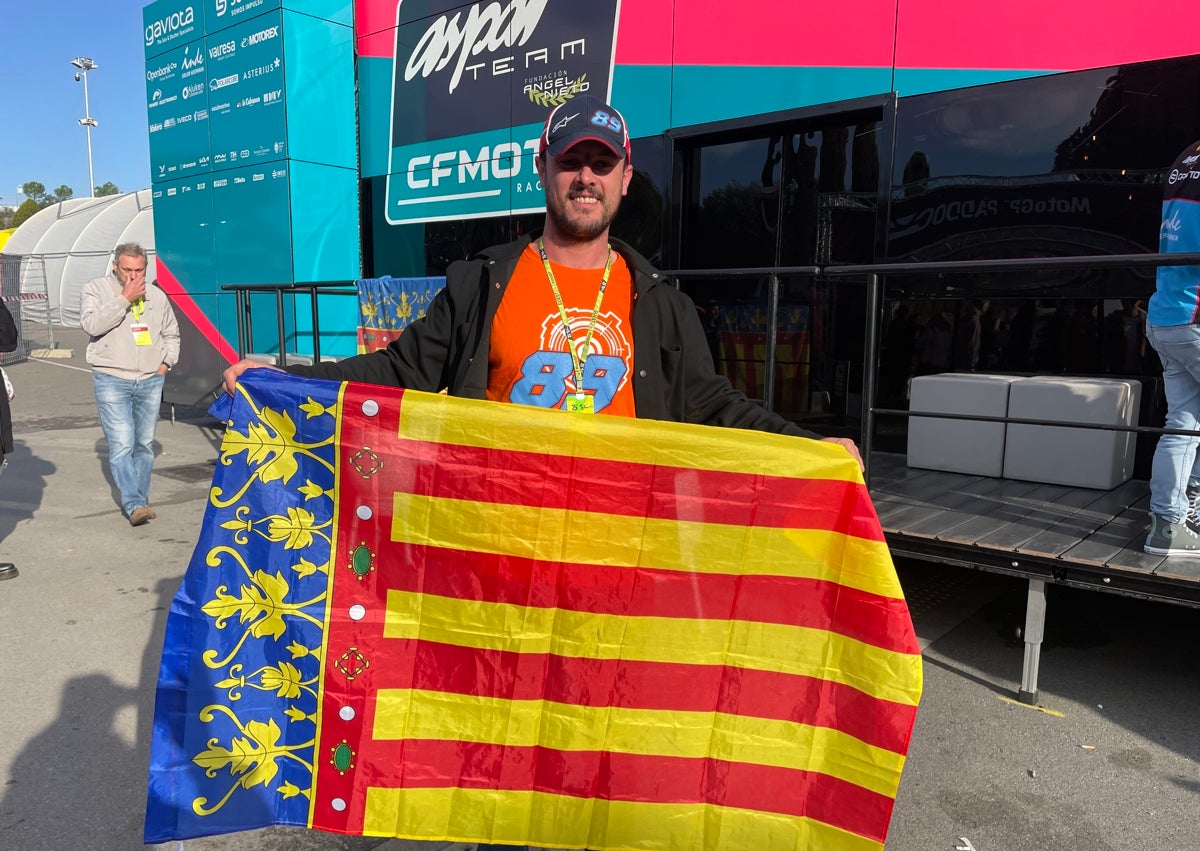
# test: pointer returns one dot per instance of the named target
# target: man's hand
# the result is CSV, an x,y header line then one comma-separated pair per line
x,y
134,288
849,445
231,375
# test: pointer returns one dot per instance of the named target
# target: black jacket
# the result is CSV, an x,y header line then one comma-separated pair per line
x,y
673,374
8,343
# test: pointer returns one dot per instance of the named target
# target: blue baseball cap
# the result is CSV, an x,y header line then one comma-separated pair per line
x,y
584,118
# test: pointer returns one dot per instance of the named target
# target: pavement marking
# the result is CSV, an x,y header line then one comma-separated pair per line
x,y
62,365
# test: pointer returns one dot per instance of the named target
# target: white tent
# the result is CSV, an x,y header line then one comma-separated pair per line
x,y
67,244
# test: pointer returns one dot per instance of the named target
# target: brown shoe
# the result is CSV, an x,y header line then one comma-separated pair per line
x,y
140,516
153,513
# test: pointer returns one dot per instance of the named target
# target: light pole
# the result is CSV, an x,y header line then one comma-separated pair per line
x,y
84,64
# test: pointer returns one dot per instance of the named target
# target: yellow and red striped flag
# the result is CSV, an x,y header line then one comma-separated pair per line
x,y
432,618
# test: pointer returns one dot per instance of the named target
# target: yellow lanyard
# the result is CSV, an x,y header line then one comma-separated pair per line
x,y
576,360
138,307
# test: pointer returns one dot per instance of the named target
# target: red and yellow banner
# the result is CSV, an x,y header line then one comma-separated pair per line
x,y
561,630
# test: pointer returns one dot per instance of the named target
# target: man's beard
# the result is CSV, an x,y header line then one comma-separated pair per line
x,y
578,230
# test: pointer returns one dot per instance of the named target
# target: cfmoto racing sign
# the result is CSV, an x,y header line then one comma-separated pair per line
x,y
471,87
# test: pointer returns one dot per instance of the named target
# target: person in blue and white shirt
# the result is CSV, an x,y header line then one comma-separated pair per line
x,y
1173,328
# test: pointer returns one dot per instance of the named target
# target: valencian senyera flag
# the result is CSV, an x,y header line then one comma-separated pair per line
x,y
416,616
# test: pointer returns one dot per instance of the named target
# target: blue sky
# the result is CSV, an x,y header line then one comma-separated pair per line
x,y
41,104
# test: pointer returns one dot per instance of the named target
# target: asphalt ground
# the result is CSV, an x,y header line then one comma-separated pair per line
x,y
1108,760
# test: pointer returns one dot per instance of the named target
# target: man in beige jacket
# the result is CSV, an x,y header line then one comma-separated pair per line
x,y
135,343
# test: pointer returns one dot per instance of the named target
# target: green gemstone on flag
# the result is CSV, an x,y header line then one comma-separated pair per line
x,y
343,758
360,560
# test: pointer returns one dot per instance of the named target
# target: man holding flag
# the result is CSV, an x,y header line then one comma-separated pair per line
x,y
572,320
428,617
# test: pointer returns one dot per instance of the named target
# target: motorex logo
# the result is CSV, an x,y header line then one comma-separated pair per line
x,y
261,36
175,24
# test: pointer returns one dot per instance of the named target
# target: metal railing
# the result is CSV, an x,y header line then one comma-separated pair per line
x,y
245,329
875,273
772,274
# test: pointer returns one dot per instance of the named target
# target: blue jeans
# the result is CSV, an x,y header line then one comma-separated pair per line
x,y
1175,464
128,413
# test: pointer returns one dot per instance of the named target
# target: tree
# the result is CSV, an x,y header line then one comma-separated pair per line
x,y
35,192
63,192
28,208
108,188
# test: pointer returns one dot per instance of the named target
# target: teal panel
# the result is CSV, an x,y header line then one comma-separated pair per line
x,y
245,93
251,208
183,232
319,67
919,81
374,115
703,93
337,11
177,112
324,222
643,94
170,24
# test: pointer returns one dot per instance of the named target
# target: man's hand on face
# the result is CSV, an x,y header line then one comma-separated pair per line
x,y
131,272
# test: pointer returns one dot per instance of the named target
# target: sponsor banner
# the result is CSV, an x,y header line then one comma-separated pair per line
x,y
245,92
177,110
225,13
471,81
169,24
482,174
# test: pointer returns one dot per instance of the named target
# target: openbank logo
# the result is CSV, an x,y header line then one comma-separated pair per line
x,y
163,71
173,25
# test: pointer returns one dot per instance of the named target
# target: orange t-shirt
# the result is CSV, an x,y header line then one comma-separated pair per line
x,y
529,362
